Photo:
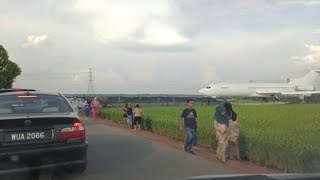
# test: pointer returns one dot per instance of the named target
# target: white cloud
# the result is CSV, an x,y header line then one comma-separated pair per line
x,y
121,21
288,2
35,41
313,48
313,56
303,2
75,78
224,8
311,2
316,31
162,34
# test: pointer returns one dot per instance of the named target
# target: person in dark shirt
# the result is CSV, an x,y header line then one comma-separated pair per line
x,y
189,122
125,115
230,112
130,116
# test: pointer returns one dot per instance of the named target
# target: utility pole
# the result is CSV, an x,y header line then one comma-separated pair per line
x,y
90,85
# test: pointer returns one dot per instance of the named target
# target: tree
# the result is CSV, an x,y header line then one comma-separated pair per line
x,y
8,70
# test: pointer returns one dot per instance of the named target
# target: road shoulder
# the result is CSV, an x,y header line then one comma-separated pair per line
x,y
243,167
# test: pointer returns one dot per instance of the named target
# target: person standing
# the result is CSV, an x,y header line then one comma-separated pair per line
x,y
189,121
221,128
87,108
96,106
233,145
130,116
125,114
137,112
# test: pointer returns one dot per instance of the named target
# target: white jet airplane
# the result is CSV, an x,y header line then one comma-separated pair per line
x,y
301,87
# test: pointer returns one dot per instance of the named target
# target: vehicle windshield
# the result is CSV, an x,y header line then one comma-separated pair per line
x,y
26,104
161,89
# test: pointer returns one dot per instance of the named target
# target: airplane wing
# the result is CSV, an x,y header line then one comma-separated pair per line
x,y
277,92
306,93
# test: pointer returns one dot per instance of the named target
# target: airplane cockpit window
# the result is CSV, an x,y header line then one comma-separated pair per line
x,y
208,87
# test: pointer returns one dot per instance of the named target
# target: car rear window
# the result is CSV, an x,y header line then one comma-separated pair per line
x,y
22,103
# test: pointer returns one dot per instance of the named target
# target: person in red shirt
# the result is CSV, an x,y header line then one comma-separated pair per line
x,y
96,106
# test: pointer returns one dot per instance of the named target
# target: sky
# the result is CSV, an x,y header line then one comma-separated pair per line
x,y
158,46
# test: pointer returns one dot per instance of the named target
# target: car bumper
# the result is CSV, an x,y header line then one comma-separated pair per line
x,y
39,158
22,169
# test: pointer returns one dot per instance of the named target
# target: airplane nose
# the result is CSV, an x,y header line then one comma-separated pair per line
x,y
201,91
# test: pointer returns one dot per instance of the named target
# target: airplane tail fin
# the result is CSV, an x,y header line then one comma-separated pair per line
x,y
308,79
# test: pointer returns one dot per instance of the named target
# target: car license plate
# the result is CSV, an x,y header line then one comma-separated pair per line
x,y
28,136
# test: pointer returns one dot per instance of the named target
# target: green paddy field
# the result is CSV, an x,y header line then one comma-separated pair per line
x,y
286,137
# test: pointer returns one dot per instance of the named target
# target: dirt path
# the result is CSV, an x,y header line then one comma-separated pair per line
x,y
243,167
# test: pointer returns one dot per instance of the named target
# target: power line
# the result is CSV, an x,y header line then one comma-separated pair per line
x,y
90,85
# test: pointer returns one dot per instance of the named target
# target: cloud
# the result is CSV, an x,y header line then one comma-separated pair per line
x,y
75,78
142,22
229,7
313,48
313,56
35,41
141,48
309,2
288,2
316,31
162,35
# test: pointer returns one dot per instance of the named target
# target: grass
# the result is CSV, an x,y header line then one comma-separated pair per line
x,y
285,137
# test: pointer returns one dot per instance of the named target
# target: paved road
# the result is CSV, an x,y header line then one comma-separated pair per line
x,y
116,154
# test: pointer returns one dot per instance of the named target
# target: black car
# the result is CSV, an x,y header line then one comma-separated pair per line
x,y
40,130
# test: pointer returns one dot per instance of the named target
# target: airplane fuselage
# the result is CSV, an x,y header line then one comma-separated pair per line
x,y
248,89
301,87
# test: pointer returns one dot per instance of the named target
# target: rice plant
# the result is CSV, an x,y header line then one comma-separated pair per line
x,y
285,137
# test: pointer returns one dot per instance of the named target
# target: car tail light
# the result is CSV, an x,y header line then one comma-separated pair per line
x,y
77,131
